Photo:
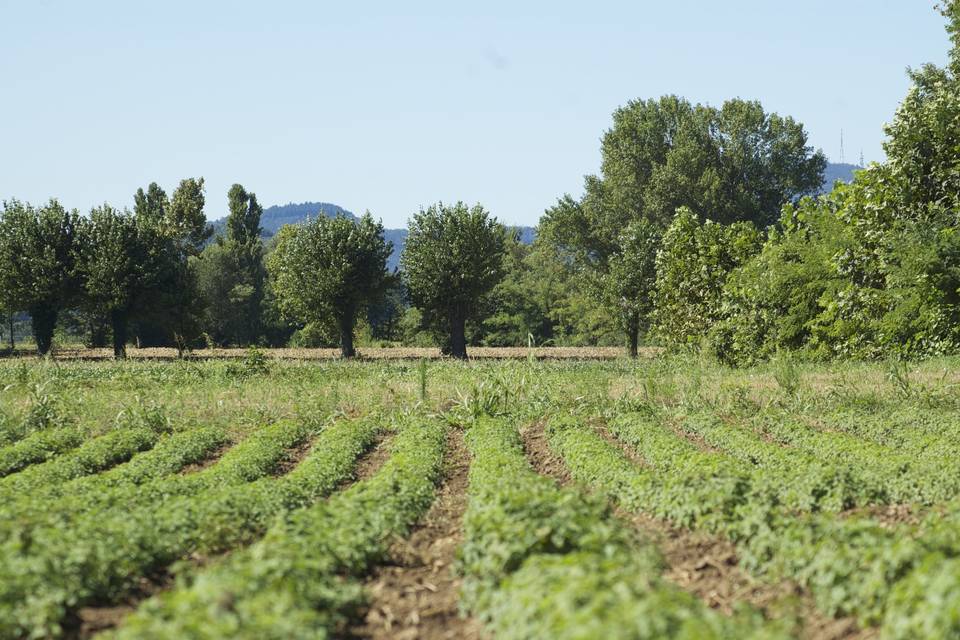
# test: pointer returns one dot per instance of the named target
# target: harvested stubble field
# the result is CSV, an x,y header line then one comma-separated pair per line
x,y
364,353
663,498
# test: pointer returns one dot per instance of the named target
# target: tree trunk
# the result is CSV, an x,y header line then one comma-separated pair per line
x,y
118,321
13,344
43,318
458,339
346,338
633,339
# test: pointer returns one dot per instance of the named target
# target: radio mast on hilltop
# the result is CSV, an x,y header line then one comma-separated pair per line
x,y
841,146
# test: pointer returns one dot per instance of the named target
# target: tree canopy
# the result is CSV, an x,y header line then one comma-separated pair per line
x,y
453,257
329,270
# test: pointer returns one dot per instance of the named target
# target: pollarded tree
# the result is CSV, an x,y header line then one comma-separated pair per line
x,y
452,258
122,262
328,270
38,248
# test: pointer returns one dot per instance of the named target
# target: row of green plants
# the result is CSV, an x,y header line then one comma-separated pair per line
x,y
805,484
125,484
99,554
544,562
885,575
926,473
37,447
300,580
93,456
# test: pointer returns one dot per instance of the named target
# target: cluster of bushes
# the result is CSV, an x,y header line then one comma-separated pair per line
x,y
870,270
759,265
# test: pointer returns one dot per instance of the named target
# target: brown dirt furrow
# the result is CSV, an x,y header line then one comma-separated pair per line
x,y
371,460
209,461
91,620
416,595
543,460
702,564
293,457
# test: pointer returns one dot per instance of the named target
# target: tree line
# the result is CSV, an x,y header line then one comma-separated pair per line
x,y
702,230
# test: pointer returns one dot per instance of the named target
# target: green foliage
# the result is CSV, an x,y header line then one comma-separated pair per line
x,y
231,275
872,270
453,257
540,561
37,447
124,261
329,270
692,266
38,255
296,582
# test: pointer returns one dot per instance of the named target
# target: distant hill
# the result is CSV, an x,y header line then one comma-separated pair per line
x,y
278,215
292,213
837,171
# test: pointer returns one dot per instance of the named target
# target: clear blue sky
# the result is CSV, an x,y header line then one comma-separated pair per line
x,y
387,106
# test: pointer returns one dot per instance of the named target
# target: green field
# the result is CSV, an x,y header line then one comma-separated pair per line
x,y
660,498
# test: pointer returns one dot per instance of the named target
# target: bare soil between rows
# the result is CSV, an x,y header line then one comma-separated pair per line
x,y
416,593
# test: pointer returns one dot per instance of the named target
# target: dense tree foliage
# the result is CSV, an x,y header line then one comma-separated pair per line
x,y
122,260
452,259
38,250
698,230
330,270
735,163
232,275
872,269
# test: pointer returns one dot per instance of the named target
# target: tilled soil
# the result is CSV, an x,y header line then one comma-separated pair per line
x,y
416,593
212,458
704,565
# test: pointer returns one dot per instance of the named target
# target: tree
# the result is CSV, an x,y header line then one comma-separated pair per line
x,y
330,270
38,249
735,163
452,258
232,274
186,225
122,262
732,163
629,282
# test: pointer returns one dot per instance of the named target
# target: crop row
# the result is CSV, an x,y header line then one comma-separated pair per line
x,y
927,476
49,571
901,577
801,479
545,562
93,456
38,447
299,580
55,503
